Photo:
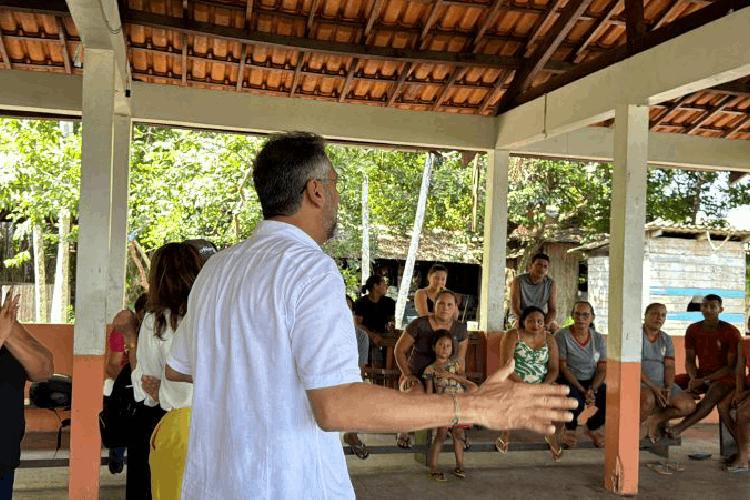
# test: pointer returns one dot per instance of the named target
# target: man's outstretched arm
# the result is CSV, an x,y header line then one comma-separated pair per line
x,y
499,404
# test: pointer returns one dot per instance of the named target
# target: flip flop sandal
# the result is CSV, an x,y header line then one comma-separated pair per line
x,y
404,441
675,467
735,469
438,476
556,453
360,450
660,469
501,445
459,472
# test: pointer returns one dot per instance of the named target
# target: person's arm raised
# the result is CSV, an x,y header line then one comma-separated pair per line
x,y
498,404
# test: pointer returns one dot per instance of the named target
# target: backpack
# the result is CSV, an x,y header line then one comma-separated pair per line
x,y
118,410
53,394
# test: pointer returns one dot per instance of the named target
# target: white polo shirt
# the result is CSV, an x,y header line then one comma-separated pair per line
x,y
266,321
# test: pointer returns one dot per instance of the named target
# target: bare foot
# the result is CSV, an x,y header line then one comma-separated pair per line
x,y
654,427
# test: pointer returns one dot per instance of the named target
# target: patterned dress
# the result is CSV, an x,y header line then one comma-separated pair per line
x,y
531,364
444,385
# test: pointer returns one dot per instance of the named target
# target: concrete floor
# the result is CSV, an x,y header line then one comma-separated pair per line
x,y
517,475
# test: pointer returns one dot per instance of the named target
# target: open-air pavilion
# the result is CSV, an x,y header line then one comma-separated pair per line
x,y
634,82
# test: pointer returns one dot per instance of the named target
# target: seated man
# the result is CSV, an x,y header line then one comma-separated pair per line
x,y
583,366
714,343
661,398
535,288
739,425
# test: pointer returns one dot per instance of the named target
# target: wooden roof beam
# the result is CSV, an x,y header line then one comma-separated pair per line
x,y
297,72
594,31
455,75
4,54
322,46
552,39
490,18
348,80
64,46
377,6
713,12
405,72
311,16
635,26
428,24
249,4
723,103
241,69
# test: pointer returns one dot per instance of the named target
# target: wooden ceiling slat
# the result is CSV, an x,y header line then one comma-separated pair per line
x,y
241,70
594,31
249,14
4,54
659,21
64,46
377,6
405,72
428,24
183,56
490,18
739,127
297,72
311,17
348,80
547,46
456,73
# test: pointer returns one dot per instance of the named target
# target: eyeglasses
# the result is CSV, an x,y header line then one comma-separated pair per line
x,y
322,181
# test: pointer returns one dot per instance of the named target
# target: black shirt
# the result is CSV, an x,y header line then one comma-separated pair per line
x,y
423,354
12,424
375,315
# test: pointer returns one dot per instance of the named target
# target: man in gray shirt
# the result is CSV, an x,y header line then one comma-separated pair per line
x,y
661,398
535,288
583,356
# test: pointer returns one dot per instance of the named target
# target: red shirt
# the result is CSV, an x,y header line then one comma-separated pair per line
x,y
712,348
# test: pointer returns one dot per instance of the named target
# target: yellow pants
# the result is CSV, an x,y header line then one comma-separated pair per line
x,y
169,444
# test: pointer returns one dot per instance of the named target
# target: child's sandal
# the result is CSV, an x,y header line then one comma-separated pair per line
x,y
459,472
438,476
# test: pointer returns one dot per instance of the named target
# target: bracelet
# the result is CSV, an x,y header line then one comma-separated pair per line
x,y
456,411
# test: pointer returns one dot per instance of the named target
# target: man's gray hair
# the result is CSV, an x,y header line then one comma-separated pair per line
x,y
282,168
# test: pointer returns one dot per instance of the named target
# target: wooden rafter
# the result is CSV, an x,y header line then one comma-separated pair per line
x,y
706,116
6,60
184,58
249,14
662,18
427,26
405,72
455,75
499,84
377,6
64,46
712,12
348,79
297,72
241,69
635,26
547,46
322,46
596,28
490,18
666,110
542,23
311,16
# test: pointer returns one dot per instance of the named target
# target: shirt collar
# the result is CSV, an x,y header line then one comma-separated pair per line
x,y
269,227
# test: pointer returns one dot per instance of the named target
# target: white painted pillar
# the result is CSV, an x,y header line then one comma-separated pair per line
x,y
119,215
92,271
492,295
626,254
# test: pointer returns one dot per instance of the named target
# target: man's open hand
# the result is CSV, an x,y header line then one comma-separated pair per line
x,y
505,405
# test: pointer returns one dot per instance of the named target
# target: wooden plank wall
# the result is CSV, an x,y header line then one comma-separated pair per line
x,y
564,270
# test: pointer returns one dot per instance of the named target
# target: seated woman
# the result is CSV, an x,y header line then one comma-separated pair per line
x,y
740,401
583,366
535,354
443,377
374,312
424,299
419,335
661,398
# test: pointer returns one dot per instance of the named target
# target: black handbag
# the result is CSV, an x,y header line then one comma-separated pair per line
x,y
118,409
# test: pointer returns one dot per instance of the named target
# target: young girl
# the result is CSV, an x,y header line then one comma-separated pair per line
x,y
442,377
537,362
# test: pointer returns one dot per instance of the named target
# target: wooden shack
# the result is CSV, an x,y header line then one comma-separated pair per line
x,y
682,264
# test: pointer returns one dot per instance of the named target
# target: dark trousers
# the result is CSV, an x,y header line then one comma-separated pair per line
x,y
6,484
138,473
600,400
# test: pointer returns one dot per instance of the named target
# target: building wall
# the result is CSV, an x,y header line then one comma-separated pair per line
x,y
676,270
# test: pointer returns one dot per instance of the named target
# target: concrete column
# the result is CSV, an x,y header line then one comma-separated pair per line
x,y
626,252
92,271
492,295
119,215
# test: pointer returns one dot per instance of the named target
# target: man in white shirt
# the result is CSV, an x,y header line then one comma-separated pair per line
x,y
269,344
